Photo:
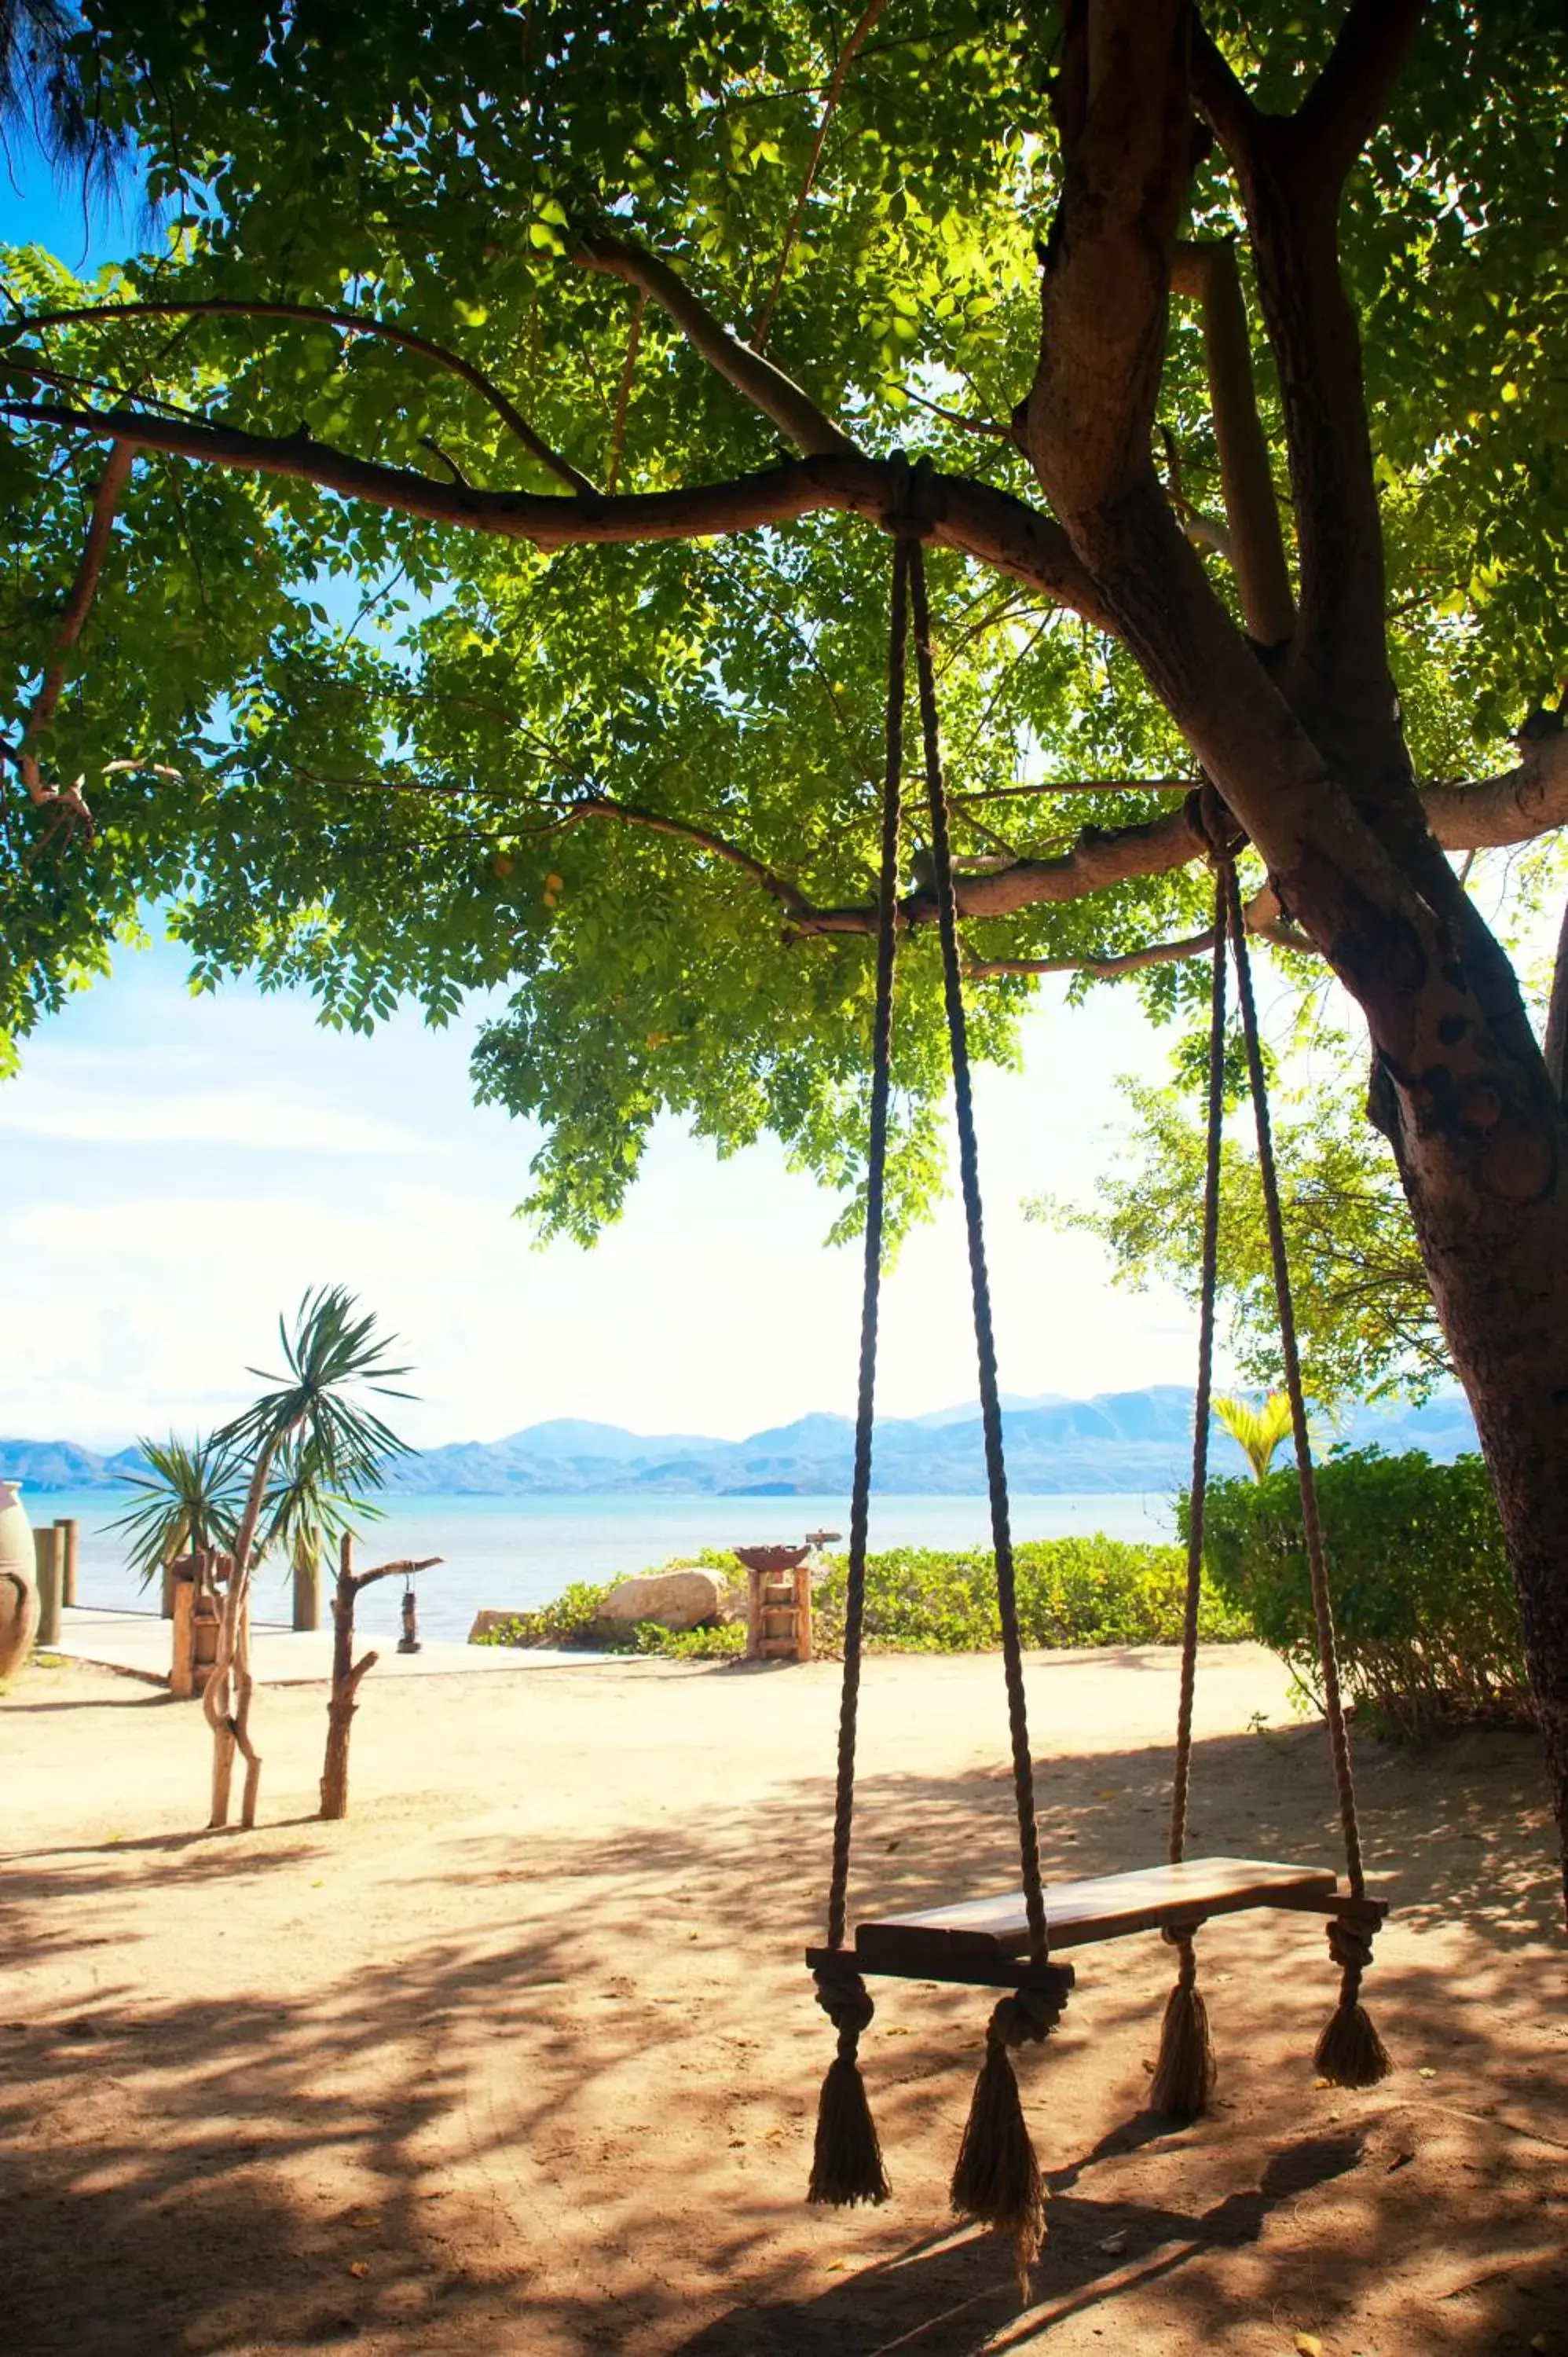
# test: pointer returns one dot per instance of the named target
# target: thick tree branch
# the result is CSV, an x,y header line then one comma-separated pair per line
x,y
1348,101
1337,680
1222,97
1257,550
1100,857
357,323
72,621
778,396
982,521
1513,808
1123,111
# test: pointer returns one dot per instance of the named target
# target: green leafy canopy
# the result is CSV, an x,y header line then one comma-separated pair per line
x,y
353,751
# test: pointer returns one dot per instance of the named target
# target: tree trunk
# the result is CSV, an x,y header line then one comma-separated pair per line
x,y
1489,1194
346,1672
346,1676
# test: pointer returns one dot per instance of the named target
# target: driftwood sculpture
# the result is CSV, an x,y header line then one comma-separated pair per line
x,y
346,1672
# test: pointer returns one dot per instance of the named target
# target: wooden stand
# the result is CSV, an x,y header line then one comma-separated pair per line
x,y
196,1614
778,1603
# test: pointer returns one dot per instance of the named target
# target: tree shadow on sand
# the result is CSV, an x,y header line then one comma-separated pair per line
x,y
508,2130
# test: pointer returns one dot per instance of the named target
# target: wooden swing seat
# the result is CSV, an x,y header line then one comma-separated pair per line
x,y
987,1940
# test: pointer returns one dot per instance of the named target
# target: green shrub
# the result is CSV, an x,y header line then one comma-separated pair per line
x,y
1092,1591
1424,1607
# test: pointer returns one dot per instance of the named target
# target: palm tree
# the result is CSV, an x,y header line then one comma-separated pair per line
x,y
187,1502
309,1423
1256,1431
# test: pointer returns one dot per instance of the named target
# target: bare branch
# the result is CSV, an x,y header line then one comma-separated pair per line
x,y
847,56
778,396
623,396
778,887
1078,786
402,1570
987,428
73,618
984,522
1256,550
357,323
1098,969
1348,101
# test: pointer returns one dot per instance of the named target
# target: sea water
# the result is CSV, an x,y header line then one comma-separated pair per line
x,y
509,1554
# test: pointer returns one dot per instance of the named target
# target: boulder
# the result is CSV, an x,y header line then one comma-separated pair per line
x,y
675,1600
485,1621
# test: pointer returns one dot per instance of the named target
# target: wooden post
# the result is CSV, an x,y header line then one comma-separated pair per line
x,y
754,1581
180,1585
66,1526
803,1613
167,1586
47,1553
307,1590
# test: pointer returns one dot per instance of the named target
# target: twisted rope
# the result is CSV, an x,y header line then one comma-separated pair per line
x,y
875,1196
1181,1781
1322,1604
985,1346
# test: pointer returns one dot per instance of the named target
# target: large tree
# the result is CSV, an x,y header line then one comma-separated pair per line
x,y
445,562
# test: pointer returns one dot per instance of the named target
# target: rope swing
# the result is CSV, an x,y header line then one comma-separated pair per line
x,y
1008,1942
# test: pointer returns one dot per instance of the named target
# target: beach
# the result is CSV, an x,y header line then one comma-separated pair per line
x,y
523,2055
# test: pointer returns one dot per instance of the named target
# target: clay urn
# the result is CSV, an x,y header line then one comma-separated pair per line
x,y
19,1581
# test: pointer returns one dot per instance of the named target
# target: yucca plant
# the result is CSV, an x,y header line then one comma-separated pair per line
x,y
1256,1431
185,1500
309,1429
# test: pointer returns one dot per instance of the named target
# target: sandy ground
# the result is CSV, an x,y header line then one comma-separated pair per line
x,y
523,2058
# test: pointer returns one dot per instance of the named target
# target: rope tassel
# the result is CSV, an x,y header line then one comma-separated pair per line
x,y
1183,2084
846,2161
1351,2053
996,2181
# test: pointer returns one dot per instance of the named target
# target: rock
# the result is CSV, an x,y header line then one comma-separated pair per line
x,y
485,1621
675,1600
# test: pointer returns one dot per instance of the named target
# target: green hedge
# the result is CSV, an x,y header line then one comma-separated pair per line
x,y
1424,1607
1093,1591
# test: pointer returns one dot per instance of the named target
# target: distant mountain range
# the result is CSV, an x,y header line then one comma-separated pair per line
x,y
1118,1441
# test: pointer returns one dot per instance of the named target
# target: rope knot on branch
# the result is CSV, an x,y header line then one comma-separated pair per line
x,y
1213,824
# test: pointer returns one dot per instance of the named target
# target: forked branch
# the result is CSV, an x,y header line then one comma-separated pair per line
x,y
357,323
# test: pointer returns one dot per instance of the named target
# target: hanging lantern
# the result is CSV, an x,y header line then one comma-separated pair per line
x,y
409,1642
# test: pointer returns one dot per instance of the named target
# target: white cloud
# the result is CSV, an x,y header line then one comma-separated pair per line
x,y
265,1120
150,1233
